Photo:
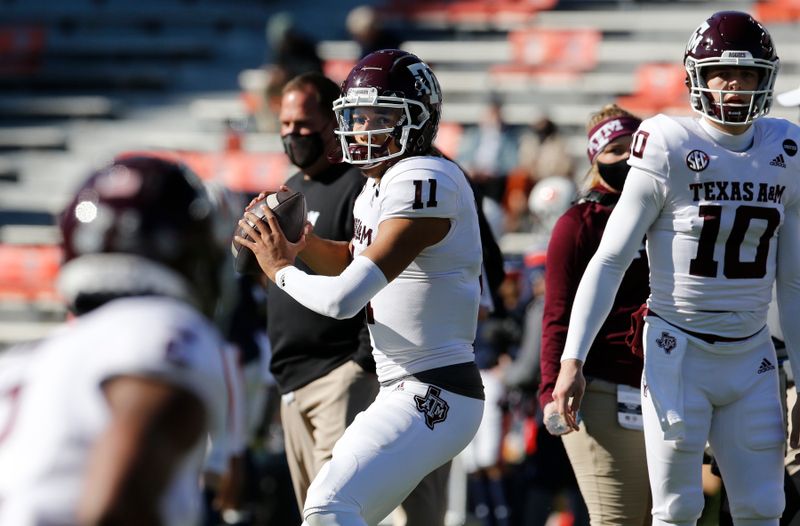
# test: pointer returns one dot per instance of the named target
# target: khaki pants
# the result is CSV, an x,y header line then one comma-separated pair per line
x,y
609,461
316,415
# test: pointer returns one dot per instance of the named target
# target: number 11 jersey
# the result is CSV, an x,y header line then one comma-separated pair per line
x,y
426,317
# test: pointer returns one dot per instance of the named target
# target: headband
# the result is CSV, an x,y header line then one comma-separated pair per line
x,y
607,130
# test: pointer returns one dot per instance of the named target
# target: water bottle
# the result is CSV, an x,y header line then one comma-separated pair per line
x,y
556,424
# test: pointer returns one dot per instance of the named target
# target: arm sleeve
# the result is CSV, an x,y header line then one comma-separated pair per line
x,y
788,286
561,281
339,296
639,205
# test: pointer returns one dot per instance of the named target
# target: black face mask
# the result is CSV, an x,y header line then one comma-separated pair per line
x,y
614,173
303,150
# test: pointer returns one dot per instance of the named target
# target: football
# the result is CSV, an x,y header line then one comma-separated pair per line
x,y
289,208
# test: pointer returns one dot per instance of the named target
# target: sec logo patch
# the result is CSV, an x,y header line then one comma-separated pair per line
x,y
697,160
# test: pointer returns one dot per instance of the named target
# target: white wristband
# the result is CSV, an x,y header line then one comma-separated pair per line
x,y
339,296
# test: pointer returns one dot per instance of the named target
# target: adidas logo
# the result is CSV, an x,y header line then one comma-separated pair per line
x,y
766,365
778,161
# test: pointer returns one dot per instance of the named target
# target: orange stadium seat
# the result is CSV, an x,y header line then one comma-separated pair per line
x,y
21,49
659,87
548,53
777,11
485,11
470,11
28,272
338,69
240,171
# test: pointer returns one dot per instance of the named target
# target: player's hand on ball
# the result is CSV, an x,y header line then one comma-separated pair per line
x,y
288,211
268,243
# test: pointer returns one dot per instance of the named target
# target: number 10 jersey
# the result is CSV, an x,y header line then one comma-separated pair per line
x,y
712,249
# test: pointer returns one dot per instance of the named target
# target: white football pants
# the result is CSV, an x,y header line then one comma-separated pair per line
x,y
730,398
409,430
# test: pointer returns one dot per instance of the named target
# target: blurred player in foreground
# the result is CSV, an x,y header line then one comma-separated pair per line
x,y
105,421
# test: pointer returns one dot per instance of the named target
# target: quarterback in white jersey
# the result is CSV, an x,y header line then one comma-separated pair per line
x,y
440,284
719,200
416,262
106,420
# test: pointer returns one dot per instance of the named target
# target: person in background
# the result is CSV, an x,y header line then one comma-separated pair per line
x,y
543,154
607,453
719,199
323,366
365,27
488,152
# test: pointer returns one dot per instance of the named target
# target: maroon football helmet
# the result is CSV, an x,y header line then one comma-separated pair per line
x,y
140,226
730,38
389,95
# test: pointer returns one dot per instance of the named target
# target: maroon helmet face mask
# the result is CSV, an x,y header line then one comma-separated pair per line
x,y
140,226
730,39
389,97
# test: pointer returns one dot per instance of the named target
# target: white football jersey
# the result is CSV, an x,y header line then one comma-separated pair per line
x,y
427,316
57,408
712,249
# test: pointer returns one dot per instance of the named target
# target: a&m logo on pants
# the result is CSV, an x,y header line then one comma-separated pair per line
x,y
666,342
434,408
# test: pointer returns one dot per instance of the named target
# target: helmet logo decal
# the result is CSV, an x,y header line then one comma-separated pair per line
x,y
697,37
697,160
119,182
425,82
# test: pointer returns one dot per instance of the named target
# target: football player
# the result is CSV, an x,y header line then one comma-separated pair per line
x,y
719,199
415,265
106,420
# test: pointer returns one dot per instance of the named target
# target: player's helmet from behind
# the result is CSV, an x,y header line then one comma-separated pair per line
x,y
401,86
730,38
140,226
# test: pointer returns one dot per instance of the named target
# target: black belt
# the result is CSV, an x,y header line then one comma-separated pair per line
x,y
708,338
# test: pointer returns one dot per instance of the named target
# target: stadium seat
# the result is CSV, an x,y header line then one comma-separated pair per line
x,y
658,87
546,52
470,13
21,49
777,11
338,69
28,272
241,171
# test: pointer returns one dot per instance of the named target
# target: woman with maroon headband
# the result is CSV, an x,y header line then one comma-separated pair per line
x,y
607,453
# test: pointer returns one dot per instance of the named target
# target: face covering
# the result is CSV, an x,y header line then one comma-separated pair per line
x,y
614,173
303,150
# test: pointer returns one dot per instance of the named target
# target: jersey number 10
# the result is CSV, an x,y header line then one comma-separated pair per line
x,y
704,263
